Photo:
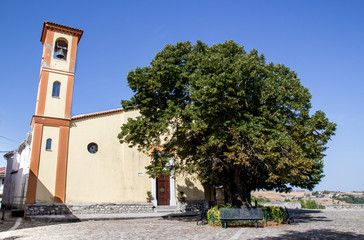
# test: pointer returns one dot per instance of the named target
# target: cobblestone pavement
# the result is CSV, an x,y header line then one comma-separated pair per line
x,y
312,224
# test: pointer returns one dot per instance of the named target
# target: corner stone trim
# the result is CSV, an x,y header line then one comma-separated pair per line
x,y
99,208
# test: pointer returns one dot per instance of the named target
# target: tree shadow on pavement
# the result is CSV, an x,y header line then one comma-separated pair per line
x,y
307,216
183,217
9,221
316,234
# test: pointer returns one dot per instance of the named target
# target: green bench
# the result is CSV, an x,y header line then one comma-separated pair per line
x,y
241,214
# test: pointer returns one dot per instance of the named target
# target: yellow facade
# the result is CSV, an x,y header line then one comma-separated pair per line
x,y
70,172
192,188
115,173
56,106
48,165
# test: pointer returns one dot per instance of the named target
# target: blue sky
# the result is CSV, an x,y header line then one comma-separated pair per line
x,y
321,40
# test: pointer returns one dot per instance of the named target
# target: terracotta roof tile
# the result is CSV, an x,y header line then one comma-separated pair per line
x,y
97,114
60,28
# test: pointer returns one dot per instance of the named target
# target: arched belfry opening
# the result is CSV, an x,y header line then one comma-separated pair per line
x,y
60,49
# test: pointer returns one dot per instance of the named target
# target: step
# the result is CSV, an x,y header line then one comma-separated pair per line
x,y
166,209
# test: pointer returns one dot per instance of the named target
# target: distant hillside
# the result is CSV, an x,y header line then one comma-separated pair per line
x,y
320,197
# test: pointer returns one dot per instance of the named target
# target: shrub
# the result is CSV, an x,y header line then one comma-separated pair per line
x,y
259,200
310,204
273,214
213,216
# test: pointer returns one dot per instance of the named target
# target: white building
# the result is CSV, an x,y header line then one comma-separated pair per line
x,y
16,175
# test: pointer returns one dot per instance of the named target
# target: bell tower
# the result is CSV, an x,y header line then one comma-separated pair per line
x,y
51,122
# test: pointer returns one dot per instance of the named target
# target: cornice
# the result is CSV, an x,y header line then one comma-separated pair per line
x,y
60,28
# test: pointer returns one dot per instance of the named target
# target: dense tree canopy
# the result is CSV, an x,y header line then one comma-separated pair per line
x,y
228,117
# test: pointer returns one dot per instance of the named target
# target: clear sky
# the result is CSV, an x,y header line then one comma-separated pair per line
x,y
323,41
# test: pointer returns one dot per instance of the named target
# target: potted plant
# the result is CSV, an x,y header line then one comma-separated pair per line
x,y
149,196
182,198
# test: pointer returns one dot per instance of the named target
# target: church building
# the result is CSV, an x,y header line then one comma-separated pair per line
x,y
79,159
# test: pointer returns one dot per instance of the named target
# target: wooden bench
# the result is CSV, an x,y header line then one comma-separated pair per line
x,y
241,214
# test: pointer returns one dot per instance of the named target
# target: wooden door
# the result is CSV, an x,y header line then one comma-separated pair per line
x,y
163,194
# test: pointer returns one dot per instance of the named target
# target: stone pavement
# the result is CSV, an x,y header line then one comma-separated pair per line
x,y
312,224
99,217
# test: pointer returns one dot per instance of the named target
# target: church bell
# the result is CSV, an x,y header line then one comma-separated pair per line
x,y
60,53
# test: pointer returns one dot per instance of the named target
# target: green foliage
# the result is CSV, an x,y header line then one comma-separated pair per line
x,y
315,194
275,214
310,204
160,164
302,203
213,216
228,117
149,195
227,206
351,199
259,200
326,192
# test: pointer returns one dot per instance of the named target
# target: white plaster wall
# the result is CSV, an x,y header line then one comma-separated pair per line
x,y
1,185
8,183
36,105
16,179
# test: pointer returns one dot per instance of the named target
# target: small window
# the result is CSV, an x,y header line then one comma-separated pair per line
x,y
60,49
92,148
49,144
56,89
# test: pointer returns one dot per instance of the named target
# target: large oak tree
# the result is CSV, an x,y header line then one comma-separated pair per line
x,y
227,117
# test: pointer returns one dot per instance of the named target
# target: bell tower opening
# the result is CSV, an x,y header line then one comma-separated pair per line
x,y
60,49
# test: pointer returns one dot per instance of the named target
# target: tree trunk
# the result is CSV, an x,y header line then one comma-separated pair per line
x,y
238,189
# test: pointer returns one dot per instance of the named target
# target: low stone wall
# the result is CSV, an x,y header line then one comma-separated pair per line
x,y
103,208
192,206
345,207
290,205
